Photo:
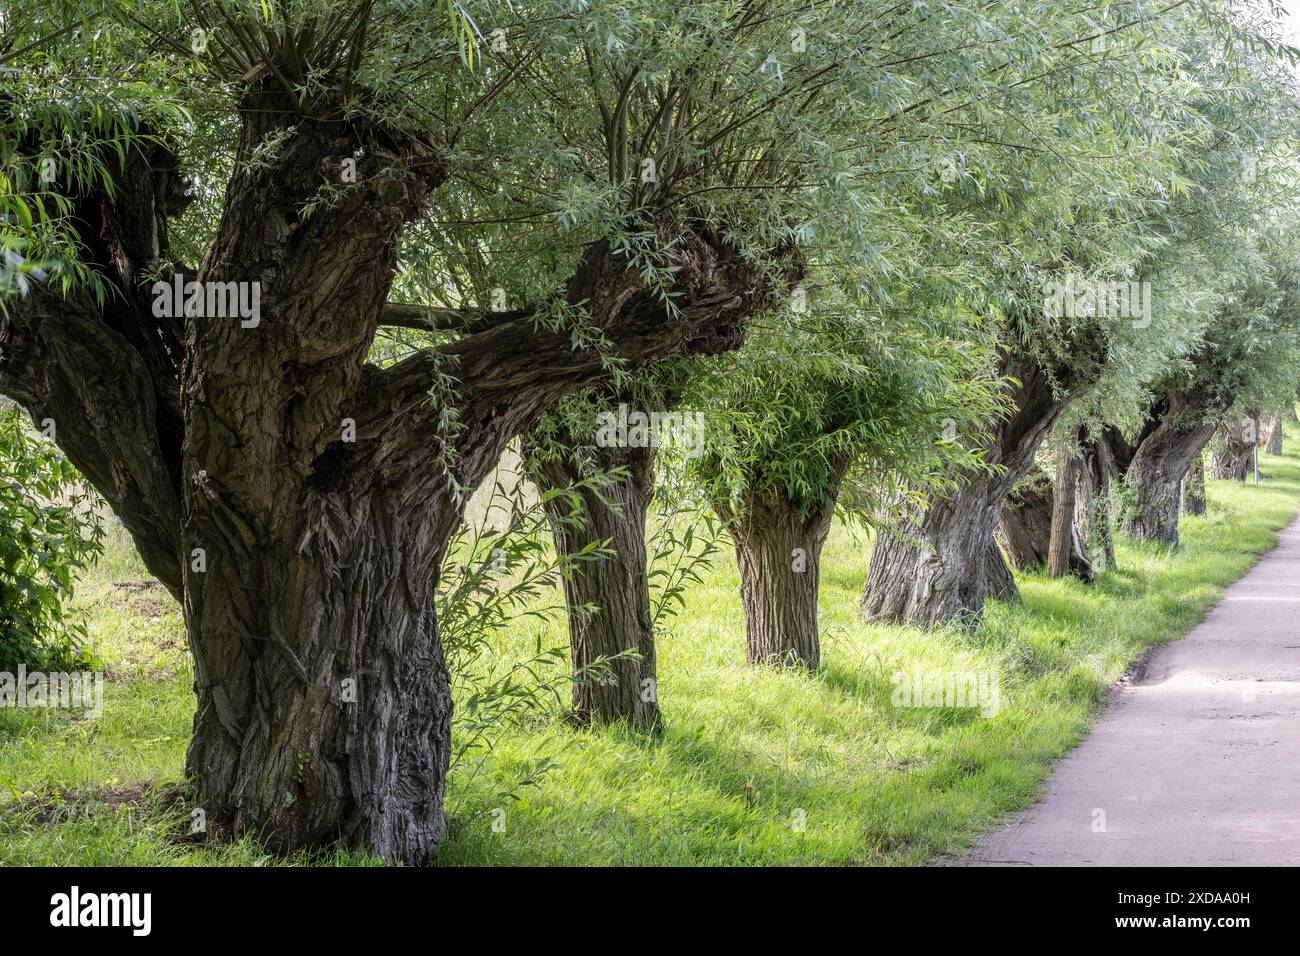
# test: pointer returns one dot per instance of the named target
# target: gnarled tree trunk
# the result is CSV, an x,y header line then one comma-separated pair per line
x,y
108,377
1233,456
1156,473
1025,523
297,499
1272,438
324,703
617,587
938,569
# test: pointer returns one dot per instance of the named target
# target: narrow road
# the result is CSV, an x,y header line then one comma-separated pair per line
x,y
1197,763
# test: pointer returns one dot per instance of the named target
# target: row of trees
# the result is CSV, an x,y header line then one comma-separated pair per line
x,y
943,455
467,224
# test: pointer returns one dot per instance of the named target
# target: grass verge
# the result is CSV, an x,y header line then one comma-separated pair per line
x,y
755,766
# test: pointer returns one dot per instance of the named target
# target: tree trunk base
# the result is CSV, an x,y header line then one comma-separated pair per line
x,y
778,552
938,576
354,747
1002,584
1156,474
624,688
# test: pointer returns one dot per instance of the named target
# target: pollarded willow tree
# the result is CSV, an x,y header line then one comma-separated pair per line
x,y
295,497
1079,236
895,108
801,426
739,120
944,560
1225,242
1235,181
883,101
1246,360
615,433
1232,449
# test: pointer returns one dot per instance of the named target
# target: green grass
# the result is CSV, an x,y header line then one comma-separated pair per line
x,y
746,753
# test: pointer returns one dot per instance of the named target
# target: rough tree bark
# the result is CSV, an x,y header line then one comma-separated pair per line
x,y
1272,438
1156,472
617,587
1194,486
1025,523
108,376
938,569
1092,510
1233,457
778,550
1002,583
1065,547
307,562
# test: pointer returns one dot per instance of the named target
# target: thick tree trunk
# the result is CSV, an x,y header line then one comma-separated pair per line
x,y
324,703
298,499
1061,543
1233,456
616,587
324,709
938,569
941,574
1025,524
1272,439
1194,486
1093,506
1156,473
778,550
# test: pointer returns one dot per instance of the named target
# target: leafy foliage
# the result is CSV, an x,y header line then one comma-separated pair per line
x,y
48,532
499,576
881,397
69,116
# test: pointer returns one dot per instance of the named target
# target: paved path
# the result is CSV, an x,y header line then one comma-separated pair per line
x,y
1198,762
